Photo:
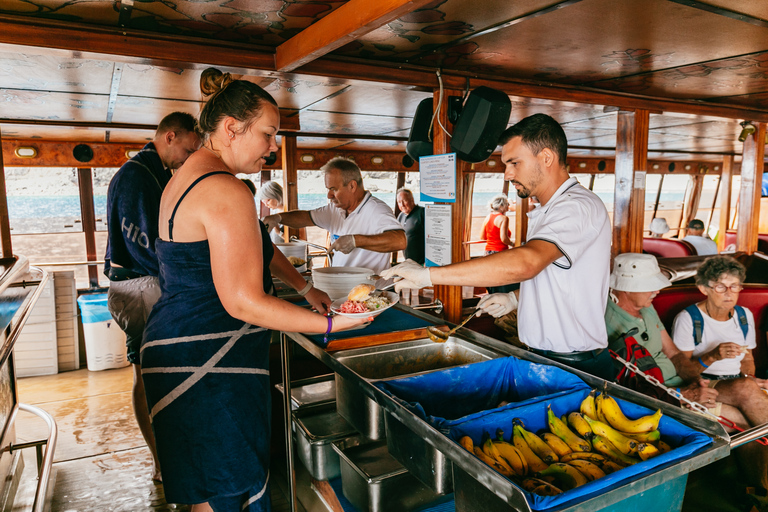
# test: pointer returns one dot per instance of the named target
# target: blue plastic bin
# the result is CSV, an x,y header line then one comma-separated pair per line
x,y
104,340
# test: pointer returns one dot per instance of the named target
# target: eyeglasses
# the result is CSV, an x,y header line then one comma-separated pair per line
x,y
720,288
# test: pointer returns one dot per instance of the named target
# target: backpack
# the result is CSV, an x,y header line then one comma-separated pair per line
x,y
698,321
633,352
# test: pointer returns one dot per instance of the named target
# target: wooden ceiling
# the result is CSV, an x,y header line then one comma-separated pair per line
x,y
107,71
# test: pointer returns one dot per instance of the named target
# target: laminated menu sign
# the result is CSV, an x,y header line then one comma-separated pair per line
x,y
438,178
437,230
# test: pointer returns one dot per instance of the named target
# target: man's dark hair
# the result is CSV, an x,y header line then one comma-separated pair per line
x,y
539,131
696,224
177,122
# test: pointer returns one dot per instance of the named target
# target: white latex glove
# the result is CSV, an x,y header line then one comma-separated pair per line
x,y
344,244
497,304
414,275
271,221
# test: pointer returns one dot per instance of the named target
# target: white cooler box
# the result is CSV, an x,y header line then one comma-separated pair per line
x,y
104,340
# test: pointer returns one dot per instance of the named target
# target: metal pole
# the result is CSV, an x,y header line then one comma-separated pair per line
x,y
285,360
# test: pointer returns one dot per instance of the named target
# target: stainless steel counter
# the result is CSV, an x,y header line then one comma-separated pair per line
x,y
499,486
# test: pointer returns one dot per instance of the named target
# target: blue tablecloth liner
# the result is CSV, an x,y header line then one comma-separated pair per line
x,y
391,320
684,440
442,504
446,397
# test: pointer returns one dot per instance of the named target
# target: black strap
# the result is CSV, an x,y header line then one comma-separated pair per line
x,y
198,180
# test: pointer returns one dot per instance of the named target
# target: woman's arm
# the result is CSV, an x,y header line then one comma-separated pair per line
x,y
686,369
504,230
287,273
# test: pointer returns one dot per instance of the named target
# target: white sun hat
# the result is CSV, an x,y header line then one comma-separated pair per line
x,y
659,226
634,272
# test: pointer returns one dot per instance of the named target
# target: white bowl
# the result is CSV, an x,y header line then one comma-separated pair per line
x,y
297,249
392,296
337,282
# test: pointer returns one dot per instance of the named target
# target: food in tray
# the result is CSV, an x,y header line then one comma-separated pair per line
x,y
296,261
582,446
360,300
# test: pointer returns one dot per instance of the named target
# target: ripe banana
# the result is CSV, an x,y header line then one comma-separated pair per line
x,y
592,457
557,444
534,462
538,446
588,407
513,457
612,412
662,446
624,444
530,483
647,451
608,466
561,430
590,470
491,462
605,447
490,449
598,408
567,476
645,437
467,444
580,425
547,490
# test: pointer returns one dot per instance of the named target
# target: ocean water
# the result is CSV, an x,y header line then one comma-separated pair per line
x,y
56,214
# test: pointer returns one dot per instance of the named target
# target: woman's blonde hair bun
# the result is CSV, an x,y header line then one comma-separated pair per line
x,y
213,80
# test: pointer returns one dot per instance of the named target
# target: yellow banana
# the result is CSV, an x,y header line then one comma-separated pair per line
x,y
588,407
605,447
624,444
580,425
513,457
612,412
491,462
644,437
598,408
592,457
608,467
490,449
534,462
567,476
546,490
662,446
467,443
538,446
530,483
647,451
591,471
557,444
561,430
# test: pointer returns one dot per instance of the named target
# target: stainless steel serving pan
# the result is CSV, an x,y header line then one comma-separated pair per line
x,y
317,427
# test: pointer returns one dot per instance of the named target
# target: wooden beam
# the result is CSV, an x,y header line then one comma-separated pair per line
x,y
630,168
290,181
725,200
264,177
351,20
692,205
521,221
59,154
94,42
451,296
85,184
5,221
749,195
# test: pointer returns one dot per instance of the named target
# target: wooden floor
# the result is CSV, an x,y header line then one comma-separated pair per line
x,y
101,461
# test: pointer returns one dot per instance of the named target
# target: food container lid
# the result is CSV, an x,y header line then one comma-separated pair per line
x,y
315,390
372,461
322,424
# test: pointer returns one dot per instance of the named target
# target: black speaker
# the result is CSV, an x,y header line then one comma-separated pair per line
x,y
419,143
82,153
483,119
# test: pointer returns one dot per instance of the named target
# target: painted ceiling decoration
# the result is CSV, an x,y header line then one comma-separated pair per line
x,y
359,81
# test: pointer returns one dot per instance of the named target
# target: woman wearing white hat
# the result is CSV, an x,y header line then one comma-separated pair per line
x,y
658,227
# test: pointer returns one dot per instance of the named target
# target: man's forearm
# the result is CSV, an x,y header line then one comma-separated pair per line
x,y
687,369
296,219
388,241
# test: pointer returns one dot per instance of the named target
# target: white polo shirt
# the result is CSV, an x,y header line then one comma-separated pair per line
x,y
562,309
713,333
371,217
704,246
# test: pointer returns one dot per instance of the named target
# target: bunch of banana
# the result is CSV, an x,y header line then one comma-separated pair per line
x,y
580,447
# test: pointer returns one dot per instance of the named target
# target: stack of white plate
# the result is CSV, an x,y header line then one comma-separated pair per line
x,y
297,249
338,281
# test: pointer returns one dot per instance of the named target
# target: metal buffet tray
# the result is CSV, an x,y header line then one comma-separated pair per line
x,y
395,361
311,391
492,486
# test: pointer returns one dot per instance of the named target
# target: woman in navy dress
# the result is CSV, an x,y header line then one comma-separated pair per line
x,y
205,351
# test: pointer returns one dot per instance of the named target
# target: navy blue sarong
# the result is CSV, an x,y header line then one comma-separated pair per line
x,y
206,376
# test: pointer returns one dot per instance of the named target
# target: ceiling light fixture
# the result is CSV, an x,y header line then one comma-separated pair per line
x,y
26,152
377,160
307,158
747,129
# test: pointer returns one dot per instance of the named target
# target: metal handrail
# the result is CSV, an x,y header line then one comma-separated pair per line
x,y
748,435
44,468
10,340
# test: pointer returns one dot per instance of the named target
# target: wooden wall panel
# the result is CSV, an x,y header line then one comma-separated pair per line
x,y
629,199
749,195
725,200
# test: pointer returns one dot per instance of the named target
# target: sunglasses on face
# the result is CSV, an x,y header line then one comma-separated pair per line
x,y
720,287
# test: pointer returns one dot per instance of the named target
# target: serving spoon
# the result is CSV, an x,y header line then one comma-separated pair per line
x,y
439,336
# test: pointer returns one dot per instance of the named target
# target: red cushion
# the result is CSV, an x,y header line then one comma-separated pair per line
x,y
670,301
762,241
668,247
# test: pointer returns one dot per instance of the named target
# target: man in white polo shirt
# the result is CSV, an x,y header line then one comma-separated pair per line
x,y
364,231
563,267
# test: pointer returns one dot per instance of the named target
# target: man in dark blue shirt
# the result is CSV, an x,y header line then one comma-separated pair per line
x,y
412,218
133,206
